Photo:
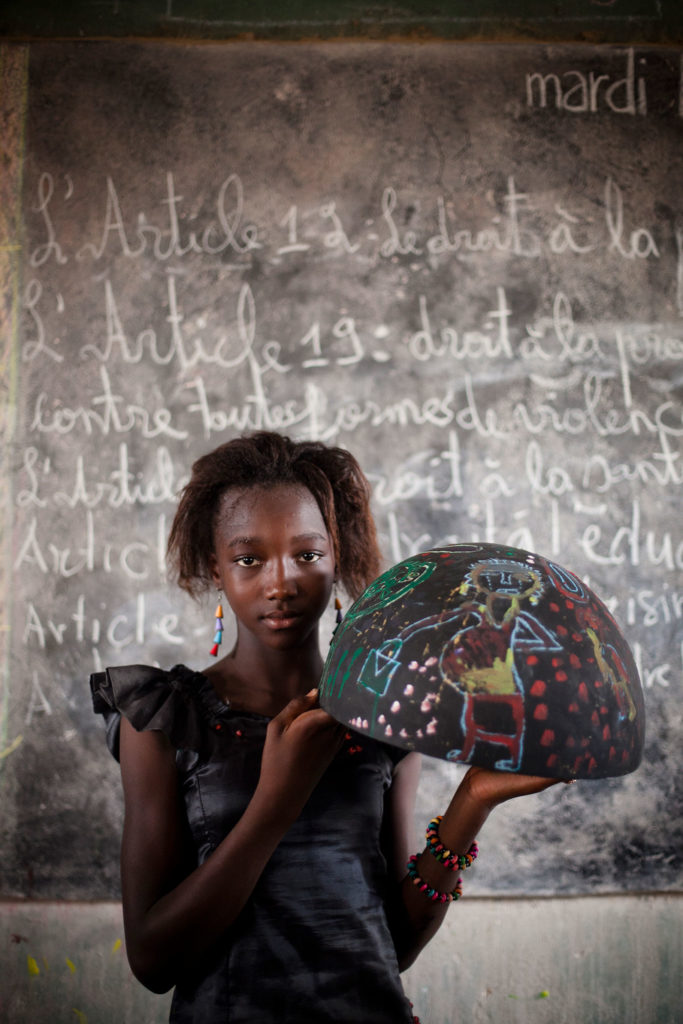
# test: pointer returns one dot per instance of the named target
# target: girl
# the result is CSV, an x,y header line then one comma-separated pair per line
x,y
265,848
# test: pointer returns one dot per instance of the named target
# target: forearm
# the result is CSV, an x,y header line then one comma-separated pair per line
x,y
418,918
181,925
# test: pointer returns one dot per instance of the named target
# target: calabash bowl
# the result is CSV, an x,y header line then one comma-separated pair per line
x,y
488,655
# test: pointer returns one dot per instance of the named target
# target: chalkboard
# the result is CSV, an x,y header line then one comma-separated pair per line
x,y
464,263
595,21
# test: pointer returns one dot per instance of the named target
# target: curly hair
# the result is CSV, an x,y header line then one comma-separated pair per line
x,y
263,459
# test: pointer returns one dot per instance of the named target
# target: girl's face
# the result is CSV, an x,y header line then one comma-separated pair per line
x,y
274,560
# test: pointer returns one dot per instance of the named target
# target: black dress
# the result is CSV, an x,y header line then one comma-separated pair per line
x,y
312,944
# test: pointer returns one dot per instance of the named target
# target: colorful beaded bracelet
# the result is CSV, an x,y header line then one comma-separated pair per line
x,y
429,892
454,861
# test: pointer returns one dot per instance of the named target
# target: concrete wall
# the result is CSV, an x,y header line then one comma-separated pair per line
x,y
593,960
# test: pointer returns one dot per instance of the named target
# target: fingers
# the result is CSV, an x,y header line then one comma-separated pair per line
x,y
297,707
494,787
300,743
307,706
540,782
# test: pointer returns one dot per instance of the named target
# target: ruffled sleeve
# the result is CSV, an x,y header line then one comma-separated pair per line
x,y
180,703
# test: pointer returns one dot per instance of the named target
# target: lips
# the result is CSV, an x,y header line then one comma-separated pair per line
x,y
283,619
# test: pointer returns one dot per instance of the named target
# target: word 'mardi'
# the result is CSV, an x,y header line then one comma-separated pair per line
x,y
581,92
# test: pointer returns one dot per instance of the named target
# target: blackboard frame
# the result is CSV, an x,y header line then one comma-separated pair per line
x,y
588,21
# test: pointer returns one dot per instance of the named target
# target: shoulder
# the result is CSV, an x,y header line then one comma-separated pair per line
x,y
179,703
143,755
406,775
393,757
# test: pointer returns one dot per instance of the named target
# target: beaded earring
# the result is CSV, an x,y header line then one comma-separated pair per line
x,y
338,611
218,635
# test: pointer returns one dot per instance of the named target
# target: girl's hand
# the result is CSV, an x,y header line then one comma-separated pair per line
x,y
301,742
491,788
479,792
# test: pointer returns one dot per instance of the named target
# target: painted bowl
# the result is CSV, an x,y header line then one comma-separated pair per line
x,y
488,655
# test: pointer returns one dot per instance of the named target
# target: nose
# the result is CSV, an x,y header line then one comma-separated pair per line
x,y
281,583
